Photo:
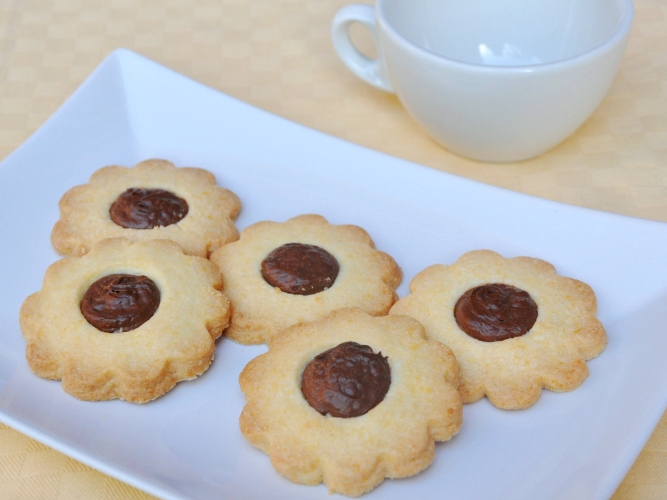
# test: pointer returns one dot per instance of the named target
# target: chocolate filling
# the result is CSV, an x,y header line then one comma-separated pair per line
x,y
120,302
346,381
495,312
300,269
147,208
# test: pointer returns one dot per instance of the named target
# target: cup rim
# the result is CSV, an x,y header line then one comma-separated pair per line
x,y
621,32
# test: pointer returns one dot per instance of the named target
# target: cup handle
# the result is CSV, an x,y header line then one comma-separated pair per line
x,y
372,71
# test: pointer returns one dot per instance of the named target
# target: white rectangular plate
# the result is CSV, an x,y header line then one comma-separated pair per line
x,y
187,444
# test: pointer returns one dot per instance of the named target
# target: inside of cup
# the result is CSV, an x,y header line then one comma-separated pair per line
x,y
505,32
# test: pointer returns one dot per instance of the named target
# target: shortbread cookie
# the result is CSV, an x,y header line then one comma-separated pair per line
x,y
280,274
351,399
514,325
152,200
127,320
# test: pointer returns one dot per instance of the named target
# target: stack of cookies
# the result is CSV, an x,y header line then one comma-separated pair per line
x,y
357,386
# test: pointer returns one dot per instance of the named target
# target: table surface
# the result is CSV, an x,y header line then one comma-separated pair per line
x,y
277,55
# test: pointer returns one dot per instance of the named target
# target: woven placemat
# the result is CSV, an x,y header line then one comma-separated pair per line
x,y
277,55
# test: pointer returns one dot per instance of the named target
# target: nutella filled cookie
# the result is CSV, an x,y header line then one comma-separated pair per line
x,y
152,200
126,320
350,400
514,325
280,274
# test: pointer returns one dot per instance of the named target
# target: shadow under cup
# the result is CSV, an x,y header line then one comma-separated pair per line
x,y
501,80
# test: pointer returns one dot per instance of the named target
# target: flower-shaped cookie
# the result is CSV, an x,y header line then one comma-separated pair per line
x,y
126,320
514,325
152,200
396,388
280,274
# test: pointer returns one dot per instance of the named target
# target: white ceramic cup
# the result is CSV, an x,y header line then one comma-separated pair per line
x,y
493,80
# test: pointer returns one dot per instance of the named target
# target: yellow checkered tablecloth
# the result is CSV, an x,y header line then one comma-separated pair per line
x,y
277,55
